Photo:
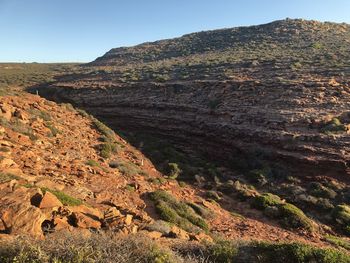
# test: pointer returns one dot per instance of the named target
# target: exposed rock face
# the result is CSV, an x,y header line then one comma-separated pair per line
x,y
17,214
268,90
279,120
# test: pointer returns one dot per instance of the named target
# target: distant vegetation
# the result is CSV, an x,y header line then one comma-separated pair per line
x,y
22,75
286,47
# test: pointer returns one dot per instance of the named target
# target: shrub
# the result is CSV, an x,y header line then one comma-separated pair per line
x,y
201,210
319,190
93,163
258,176
63,197
53,130
104,130
6,177
265,200
290,216
159,226
4,149
81,249
173,170
295,253
338,241
124,167
334,126
213,195
293,217
222,251
341,215
176,212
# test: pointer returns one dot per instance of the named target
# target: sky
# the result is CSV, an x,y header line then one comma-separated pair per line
x,y
81,30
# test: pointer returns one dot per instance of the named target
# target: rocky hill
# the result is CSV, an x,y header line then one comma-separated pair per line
x,y
241,133
280,89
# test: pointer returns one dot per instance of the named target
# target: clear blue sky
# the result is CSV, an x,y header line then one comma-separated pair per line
x,y
81,30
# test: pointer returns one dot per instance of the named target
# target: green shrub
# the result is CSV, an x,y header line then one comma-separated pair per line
x,y
201,210
6,177
338,241
341,215
176,212
258,176
319,190
4,149
222,251
295,253
125,168
334,126
293,217
173,170
93,163
104,130
290,216
53,130
63,197
213,195
263,201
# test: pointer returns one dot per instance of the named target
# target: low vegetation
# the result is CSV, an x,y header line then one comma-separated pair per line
x,y
289,215
177,212
338,241
103,248
6,177
341,215
334,126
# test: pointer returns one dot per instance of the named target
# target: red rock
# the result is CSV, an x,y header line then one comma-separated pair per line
x,y
49,200
85,221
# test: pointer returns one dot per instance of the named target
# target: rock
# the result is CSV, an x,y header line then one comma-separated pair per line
x,y
111,213
6,111
17,213
85,221
2,226
92,212
201,237
128,219
49,200
50,184
153,234
7,163
5,143
61,223
177,232
22,115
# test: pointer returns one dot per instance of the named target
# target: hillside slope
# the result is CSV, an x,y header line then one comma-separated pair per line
x,y
281,88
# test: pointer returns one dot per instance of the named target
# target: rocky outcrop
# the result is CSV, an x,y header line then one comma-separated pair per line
x,y
278,121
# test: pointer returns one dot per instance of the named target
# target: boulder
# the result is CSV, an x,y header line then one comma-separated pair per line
x,y
18,215
49,200
92,212
6,111
177,232
85,221
61,223
128,219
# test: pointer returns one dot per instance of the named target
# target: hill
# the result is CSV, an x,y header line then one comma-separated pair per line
x,y
241,133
